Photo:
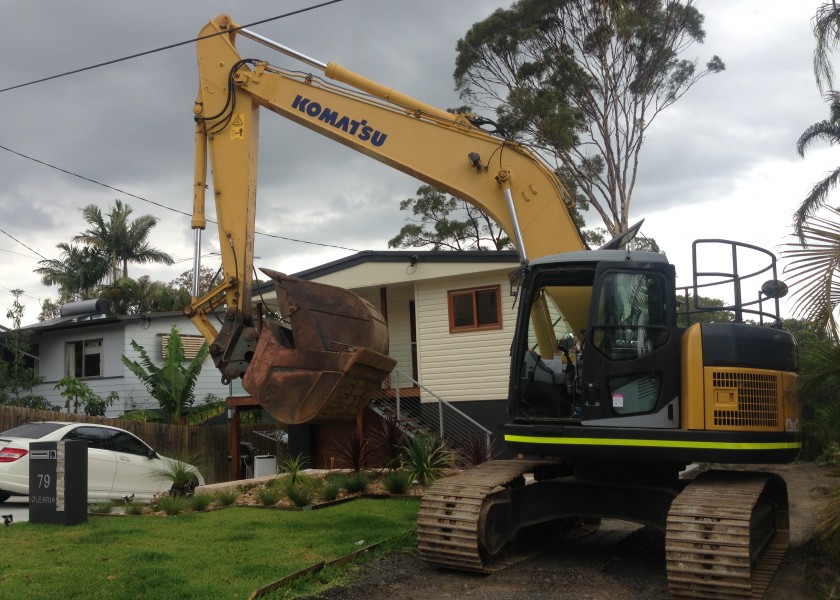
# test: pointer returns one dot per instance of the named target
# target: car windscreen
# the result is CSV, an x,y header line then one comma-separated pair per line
x,y
32,431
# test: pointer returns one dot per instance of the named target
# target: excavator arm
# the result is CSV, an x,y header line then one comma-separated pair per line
x,y
334,354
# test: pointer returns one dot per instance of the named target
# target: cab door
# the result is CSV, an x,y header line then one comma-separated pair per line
x,y
630,371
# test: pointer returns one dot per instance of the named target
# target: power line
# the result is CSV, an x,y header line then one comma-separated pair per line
x,y
168,47
16,253
22,244
158,204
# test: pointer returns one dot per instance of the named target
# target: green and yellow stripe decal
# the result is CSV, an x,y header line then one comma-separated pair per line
x,y
636,443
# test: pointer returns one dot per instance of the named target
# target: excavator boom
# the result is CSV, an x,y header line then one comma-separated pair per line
x,y
295,378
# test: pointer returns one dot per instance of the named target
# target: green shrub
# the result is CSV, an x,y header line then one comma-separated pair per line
x,y
426,458
397,482
173,505
227,497
179,471
330,490
135,508
101,507
293,467
357,482
269,495
300,495
200,502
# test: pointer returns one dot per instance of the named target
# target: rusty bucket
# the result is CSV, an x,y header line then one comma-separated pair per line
x,y
326,359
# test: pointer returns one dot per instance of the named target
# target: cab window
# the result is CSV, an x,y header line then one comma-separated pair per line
x,y
631,320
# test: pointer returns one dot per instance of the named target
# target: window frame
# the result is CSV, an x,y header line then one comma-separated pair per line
x,y
70,369
474,291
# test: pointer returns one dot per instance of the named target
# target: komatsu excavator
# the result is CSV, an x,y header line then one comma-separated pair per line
x,y
610,396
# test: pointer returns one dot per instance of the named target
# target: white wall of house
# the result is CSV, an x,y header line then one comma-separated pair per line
x,y
463,366
399,325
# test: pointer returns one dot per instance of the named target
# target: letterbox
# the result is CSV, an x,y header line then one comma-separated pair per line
x,y
58,474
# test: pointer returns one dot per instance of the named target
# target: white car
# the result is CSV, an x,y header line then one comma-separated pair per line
x,y
120,464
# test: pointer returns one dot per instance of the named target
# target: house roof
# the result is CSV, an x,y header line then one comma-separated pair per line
x,y
406,256
94,320
409,258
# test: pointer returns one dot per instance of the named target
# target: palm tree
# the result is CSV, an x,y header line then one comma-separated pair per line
x,y
120,239
77,272
827,131
814,261
826,26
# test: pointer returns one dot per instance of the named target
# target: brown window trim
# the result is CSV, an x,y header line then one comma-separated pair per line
x,y
474,327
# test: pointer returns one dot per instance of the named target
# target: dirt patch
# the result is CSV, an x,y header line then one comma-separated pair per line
x,y
620,561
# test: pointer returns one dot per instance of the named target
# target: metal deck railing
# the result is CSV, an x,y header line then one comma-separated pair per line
x,y
433,417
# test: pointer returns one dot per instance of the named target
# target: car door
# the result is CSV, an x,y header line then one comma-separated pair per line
x,y
102,461
138,468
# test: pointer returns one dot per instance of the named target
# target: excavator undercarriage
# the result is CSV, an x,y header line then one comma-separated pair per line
x,y
725,531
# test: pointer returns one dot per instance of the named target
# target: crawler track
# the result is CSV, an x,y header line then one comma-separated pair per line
x,y
727,533
449,521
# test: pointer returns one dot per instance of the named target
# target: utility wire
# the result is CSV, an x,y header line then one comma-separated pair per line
x,y
22,244
158,204
168,47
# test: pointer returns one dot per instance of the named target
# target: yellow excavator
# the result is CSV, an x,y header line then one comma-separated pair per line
x,y
613,390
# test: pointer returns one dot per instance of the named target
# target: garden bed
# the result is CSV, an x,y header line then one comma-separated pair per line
x,y
306,490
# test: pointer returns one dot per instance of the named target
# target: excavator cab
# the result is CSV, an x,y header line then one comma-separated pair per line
x,y
324,358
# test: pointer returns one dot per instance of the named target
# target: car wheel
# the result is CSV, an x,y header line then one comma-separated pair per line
x,y
4,496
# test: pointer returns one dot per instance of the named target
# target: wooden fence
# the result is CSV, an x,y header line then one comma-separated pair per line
x,y
207,445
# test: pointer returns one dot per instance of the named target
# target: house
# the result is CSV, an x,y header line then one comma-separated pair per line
x,y
89,345
450,316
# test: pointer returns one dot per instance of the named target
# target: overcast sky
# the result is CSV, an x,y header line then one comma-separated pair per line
x,y
718,164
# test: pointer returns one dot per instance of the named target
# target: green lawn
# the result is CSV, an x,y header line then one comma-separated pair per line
x,y
226,553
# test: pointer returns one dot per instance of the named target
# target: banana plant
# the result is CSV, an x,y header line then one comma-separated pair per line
x,y
173,383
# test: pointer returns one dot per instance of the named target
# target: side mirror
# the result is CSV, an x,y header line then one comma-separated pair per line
x,y
774,289
152,454
567,342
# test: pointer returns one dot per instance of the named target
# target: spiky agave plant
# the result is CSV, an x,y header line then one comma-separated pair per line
x,y
427,458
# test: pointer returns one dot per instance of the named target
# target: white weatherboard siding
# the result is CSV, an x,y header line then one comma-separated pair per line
x,y
399,325
399,330
469,365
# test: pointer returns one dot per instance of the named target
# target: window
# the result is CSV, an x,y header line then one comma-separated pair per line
x,y
96,437
475,309
631,320
83,358
125,442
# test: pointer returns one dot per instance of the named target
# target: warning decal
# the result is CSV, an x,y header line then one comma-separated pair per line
x,y
237,127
